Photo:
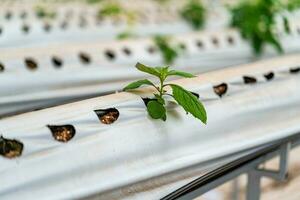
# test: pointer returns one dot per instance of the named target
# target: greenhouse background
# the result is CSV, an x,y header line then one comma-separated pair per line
x,y
149,99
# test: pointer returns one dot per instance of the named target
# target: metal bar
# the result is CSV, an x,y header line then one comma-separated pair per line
x,y
253,186
190,193
249,165
235,189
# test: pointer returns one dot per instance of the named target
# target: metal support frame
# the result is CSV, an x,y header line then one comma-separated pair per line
x,y
249,165
255,175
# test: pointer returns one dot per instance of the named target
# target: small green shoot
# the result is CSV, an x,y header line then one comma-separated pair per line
x,y
110,10
116,10
194,13
169,51
42,12
126,35
156,107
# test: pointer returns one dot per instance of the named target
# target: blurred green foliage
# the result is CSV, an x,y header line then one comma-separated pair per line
x,y
169,52
194,13
43,12
256,20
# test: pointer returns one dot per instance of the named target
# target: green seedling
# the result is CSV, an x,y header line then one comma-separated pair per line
x,y
156,107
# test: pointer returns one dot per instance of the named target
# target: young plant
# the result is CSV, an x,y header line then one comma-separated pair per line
x,y
115,10
194,13
110,10
169,52
256,20
42,12
156,107
126,35
292,5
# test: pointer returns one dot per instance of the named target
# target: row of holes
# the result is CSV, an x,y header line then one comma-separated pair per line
x,y
85,58
70,14
83,23
47,27
64,133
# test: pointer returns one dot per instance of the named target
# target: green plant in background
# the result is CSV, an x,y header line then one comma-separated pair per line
x,y
94,1
42,12
256,20
194,13
114,9
110,10
156,107
169,52
292,4
126,35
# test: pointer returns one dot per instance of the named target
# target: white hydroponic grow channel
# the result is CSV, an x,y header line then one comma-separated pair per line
x,y
140,158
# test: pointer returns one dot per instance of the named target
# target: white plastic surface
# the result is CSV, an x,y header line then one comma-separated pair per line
x,y
115,160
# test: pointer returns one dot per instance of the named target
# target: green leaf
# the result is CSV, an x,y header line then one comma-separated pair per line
x,y
156,110
137,84
146,69
159,99
189,102
163,72
180,73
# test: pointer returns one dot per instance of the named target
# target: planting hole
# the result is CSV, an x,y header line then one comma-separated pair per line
x,y
57,62
84,58
107,116
249,80
221,89
23,15
151,49
31,63
215,41
230,40
269,76
62,133
25,28
199,44
295,70
2,68
10,148
47,27
127,51
8,15
110,54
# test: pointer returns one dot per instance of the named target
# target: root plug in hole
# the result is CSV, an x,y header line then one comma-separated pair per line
x,y
63,133
31,64
221,89
10,148
107,116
